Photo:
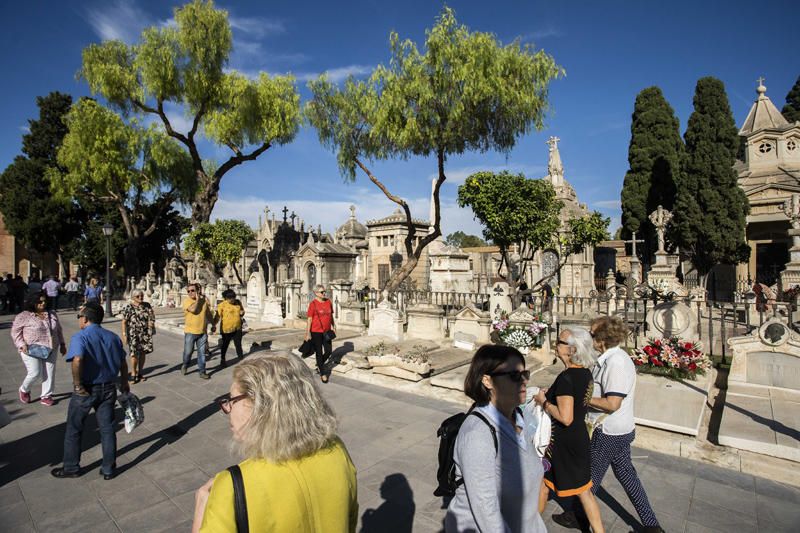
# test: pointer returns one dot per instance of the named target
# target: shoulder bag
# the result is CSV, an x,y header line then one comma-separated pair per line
x,y
239,500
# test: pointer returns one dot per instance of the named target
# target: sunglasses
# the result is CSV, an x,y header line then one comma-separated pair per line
x,y
80,316
226,404
517,376
565,343
190,291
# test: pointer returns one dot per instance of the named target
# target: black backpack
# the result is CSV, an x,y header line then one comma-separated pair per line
x,y
447,433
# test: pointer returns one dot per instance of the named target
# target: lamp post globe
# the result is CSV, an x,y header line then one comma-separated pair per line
x,y
108,230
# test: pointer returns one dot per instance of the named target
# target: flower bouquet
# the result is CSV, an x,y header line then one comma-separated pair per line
x,y
521,338
672,357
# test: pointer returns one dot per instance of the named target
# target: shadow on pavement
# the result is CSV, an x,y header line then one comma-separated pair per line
x,y
396,514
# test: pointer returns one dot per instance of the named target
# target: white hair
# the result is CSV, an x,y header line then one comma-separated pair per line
x,y
136,292
318,286
583,353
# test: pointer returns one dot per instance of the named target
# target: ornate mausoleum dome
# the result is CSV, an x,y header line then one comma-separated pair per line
x,y
352,229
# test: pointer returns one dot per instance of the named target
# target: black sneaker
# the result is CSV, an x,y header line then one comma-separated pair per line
x,y
60,473
567,519
203,375
183,369
222,363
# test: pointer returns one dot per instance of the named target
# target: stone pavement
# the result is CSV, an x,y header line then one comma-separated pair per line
x,y
391,436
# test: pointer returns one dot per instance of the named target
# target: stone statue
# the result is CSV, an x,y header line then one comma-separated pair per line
x,y
660,218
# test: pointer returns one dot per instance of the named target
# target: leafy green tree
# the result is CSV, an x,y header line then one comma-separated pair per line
x,y
185,65
140,172
519,211
462,240
221,242
711,209
791,110
655,158
465,91
30,211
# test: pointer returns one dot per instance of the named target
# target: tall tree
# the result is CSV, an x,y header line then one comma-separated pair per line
x,y
711,209
139,171
30,211
185,65
465,91
462,240
523,212
791,110
655,157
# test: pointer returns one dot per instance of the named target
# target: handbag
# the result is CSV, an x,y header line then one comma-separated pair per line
x,y
39,351
239,500
134,412
328,336
540,426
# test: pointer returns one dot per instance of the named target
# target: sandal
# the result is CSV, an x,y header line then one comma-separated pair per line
x,y
142,378
132,378
136,379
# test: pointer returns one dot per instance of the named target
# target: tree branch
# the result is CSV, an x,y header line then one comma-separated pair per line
x,y
396,199
239,159
165,201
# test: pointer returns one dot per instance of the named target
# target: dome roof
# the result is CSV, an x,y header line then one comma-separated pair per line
x,y
352,229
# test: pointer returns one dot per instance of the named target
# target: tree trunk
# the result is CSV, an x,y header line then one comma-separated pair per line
x,y
204,199
132,257
401,274
236,271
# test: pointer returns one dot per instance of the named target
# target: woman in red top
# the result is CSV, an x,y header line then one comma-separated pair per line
x,y
320,321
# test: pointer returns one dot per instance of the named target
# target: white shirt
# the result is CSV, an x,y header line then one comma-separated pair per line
x,y
51,287
615,375
71,286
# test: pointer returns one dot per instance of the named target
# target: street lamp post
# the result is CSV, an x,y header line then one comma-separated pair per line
x,y
108,230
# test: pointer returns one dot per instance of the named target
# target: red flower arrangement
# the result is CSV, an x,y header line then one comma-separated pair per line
x,y
672,357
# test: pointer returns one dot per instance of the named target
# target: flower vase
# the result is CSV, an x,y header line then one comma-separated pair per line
x,y
538,341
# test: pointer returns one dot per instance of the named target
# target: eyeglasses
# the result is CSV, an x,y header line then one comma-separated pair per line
x,y
321,291
226,404
141,296
565,343
41,302
518,376
190,291
80,316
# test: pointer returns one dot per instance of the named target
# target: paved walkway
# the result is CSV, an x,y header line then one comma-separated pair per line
x,y
390,435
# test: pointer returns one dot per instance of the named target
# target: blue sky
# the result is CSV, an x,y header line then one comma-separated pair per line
x,y
610,50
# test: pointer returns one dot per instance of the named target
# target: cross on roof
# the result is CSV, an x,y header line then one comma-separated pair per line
x,y
293,216
761,80
633,242
285,210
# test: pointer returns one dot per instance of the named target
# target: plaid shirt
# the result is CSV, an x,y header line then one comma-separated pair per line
x,y
30,329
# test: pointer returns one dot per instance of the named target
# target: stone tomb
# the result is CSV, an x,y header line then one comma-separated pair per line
x,y
762,404
670,404
386,321
473,322
672,319
255,296
426,321
500,300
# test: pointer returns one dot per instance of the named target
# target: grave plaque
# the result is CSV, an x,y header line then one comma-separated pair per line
x,y
464,341
672,319
499,300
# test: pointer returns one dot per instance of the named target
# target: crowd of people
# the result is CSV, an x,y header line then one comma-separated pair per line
x,y
14,291
291,457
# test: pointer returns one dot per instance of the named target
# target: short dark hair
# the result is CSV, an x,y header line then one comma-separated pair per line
x,y
228,293
485,361
32,300
93,312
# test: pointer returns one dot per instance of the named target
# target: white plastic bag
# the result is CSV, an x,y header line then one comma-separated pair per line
x,y
539,426
134,412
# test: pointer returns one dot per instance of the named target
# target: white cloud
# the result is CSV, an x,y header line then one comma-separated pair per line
x,y
336,75
118,20
608,204
458,175
257,27
538,35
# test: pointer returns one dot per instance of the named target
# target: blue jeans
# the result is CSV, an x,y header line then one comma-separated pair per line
x,y
101,398
189,340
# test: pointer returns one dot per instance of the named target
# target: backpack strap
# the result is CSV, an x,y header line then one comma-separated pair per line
x,y
460,481
239,499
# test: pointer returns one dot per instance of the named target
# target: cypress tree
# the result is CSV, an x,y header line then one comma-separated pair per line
x,y
791,110
654,159
710,211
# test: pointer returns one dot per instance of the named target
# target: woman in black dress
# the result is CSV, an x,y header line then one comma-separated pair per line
x,y
566,401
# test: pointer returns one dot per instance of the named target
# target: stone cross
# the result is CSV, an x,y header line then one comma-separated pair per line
x,y
791,208
293,216
285,210
633,242
660,218
761,80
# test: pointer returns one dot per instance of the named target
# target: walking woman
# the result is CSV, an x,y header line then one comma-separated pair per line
x,y
229,313
566,401
36,331
93,292
319,328
138,328
498,469
296,473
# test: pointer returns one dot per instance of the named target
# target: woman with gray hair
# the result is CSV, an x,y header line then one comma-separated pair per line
x,y
567,403
138,328
296,475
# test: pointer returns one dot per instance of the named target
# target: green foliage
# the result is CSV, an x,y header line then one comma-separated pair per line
x,y
30,212
655,157
710,211
220,242
186,65
462,240
512,208
791,110
464,91
584,231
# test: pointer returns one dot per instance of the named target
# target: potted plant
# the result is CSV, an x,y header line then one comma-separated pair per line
x,y
523,338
